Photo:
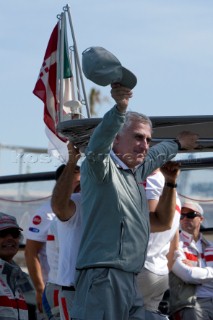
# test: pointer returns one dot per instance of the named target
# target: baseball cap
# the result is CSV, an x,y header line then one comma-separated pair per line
x,y
103,68
193,206
7,222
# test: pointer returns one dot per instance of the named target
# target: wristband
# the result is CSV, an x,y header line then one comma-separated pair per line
x,y
171,185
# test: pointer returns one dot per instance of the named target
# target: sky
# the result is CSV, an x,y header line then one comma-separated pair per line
x,y
167,44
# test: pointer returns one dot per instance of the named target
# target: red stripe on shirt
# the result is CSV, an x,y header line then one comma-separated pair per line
x,y
208,258
191,256
6,302
177,208
50,237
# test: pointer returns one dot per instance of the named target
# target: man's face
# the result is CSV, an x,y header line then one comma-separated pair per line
x,y
190,225
133,144
9,243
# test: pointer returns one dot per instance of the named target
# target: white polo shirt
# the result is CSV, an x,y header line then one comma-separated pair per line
x,y
38,230
159,242
52,250
69,237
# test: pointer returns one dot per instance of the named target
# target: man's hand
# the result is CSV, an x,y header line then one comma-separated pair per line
x,y
188,263
39,300
188,140
74,154
171,171
121,96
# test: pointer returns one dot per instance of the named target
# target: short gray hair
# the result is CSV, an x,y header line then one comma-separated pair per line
x,y
132,116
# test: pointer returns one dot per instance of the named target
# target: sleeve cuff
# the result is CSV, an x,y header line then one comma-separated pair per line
x,y
178,143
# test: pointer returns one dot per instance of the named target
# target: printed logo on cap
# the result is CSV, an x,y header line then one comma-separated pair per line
x,y
37,220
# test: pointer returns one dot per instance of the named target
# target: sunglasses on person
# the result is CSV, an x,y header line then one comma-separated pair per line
x,y
189,215
15,233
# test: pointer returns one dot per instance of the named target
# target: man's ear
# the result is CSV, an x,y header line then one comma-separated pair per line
x,y
115,143
201,218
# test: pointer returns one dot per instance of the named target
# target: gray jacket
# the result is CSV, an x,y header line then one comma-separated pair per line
x,y
114,205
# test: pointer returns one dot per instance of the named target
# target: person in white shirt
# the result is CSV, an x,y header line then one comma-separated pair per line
x,y
35,249
66,203
153,280
194,267
70,233
60,254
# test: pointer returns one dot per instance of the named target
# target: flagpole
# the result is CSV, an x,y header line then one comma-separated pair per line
x,y
67,8
77,75
72,84
61,59
58,74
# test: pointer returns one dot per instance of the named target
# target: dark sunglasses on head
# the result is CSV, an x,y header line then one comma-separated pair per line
x,y
189,215
15,233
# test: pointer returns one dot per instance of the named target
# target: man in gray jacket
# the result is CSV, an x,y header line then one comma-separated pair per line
x,y
115,212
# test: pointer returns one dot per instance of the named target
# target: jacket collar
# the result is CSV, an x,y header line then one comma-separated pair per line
x,y
120,164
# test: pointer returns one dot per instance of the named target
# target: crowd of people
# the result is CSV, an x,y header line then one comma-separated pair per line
x,y
108,246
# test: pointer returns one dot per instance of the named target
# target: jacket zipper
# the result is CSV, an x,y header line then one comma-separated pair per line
x,y
121,237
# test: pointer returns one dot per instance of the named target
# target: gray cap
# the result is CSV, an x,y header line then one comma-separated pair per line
x,y
8,222
103,68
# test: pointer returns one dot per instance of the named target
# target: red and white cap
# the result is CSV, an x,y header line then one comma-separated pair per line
x,y
7,222
193,206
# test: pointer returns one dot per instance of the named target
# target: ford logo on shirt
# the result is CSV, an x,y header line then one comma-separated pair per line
x,y
34,230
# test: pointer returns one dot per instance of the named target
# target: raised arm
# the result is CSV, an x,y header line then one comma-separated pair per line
x,y
162,218
100,144
103,136
62,205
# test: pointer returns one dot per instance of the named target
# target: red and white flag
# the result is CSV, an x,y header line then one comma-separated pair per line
x,y
46,85
46,89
